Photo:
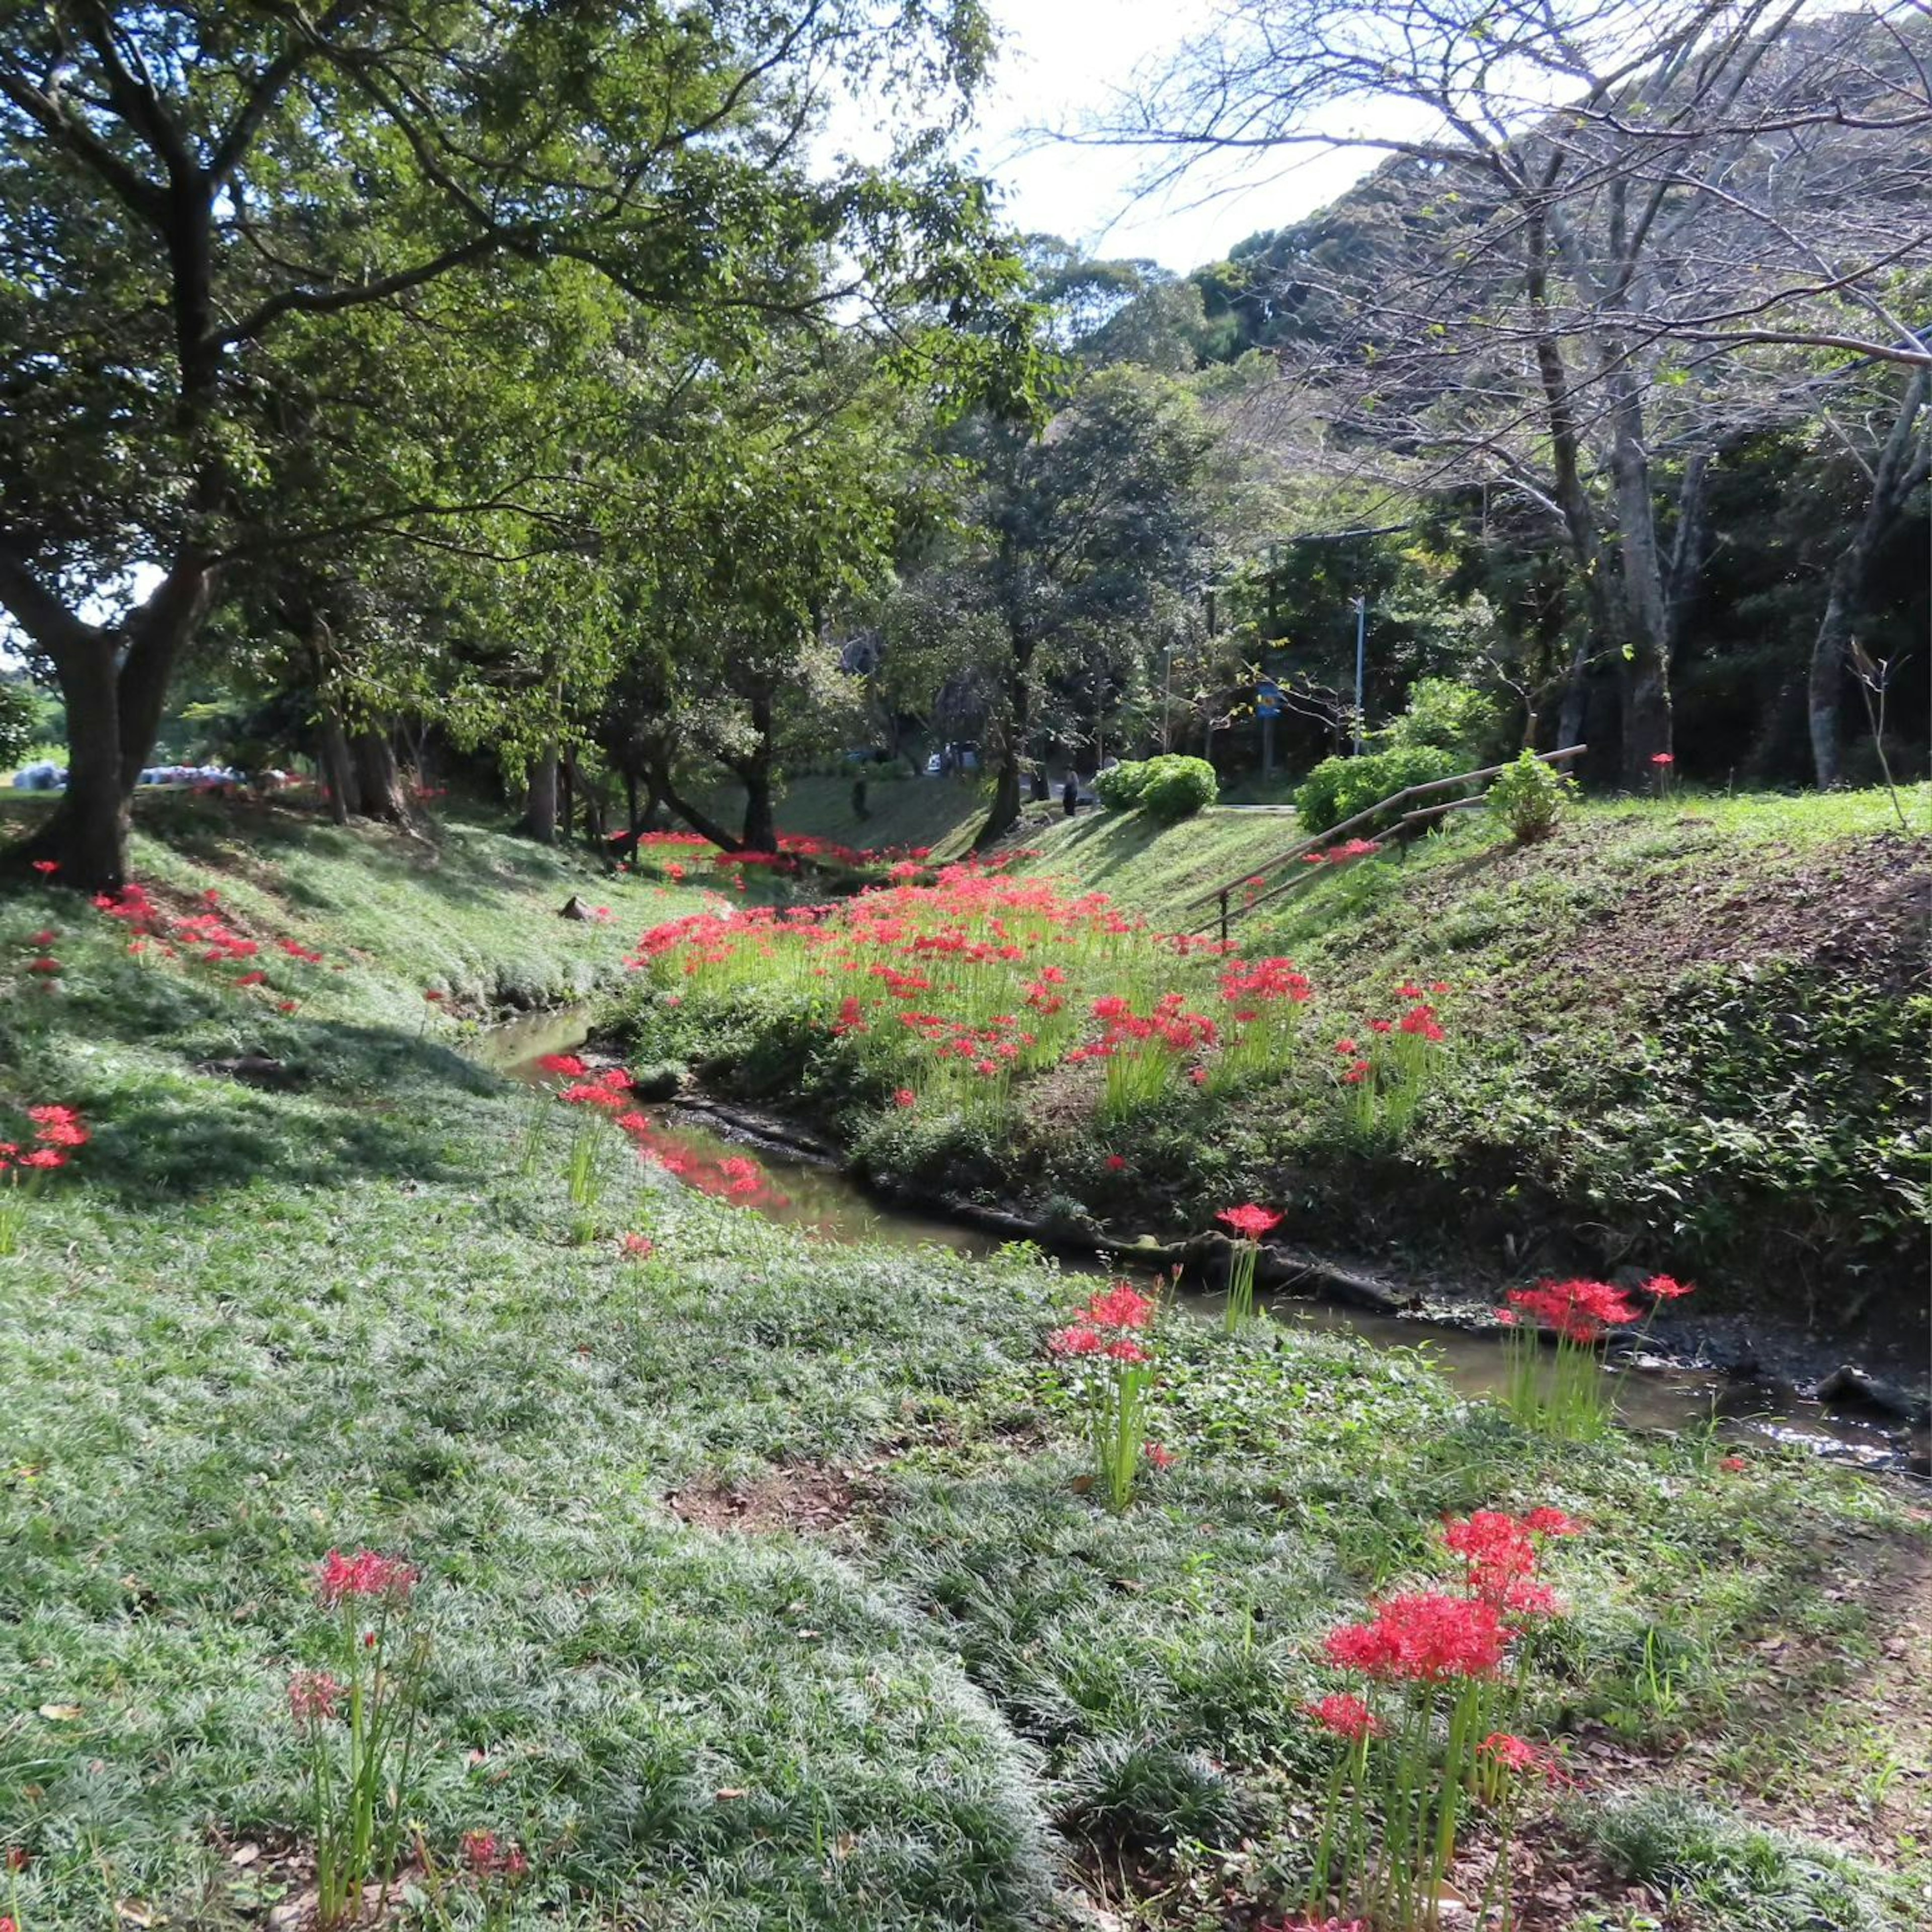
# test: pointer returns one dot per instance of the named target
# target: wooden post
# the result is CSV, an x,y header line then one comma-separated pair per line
x,y
1224,915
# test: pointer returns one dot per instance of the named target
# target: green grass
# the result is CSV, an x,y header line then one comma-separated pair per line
x,y
251,1324
942,813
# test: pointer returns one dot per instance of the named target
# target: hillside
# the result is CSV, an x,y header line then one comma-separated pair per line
x,y
1681,1036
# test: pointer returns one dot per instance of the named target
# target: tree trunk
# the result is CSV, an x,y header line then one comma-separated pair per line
x,y
632,825
693,816
86,833
113,710
377,778
566,794
760,832
1005,813
1645,682
1900,468
539,819
338,773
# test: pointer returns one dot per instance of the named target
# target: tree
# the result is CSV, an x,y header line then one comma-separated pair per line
x,y
1072,532
191,193
1899,466
1591,211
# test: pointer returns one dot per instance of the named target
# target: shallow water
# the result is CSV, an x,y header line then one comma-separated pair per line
x,y
828,1205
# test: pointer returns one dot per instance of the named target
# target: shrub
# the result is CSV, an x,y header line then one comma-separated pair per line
x,y
1529,797
1119,789
1169,788
1448,716
1177,788
1338,788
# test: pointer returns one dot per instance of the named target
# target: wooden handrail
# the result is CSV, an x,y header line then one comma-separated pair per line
x,y
1221,893
1381,805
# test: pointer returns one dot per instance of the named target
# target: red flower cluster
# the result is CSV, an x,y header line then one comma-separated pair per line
x,y
567,1065
1425,1636
638,1247
1245,985
1175,1029
1107,1326
1250,1221
313,1696
608,1090
1341,854
367,1575
1499,1554
1578,1311
57,1130
1346,1715
489,1857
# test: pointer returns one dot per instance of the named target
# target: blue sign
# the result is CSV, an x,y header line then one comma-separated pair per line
x,y
1268,698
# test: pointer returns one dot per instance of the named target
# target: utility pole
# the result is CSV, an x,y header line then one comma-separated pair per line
x,y
1361,608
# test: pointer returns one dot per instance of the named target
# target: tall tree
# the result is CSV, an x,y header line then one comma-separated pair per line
x,y
190,189
1590,204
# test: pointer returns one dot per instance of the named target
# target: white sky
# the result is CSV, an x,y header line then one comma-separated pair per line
x,y
1063,61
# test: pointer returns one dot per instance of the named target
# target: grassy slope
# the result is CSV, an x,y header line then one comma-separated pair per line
x,y
938,812
1683,1035
254,1325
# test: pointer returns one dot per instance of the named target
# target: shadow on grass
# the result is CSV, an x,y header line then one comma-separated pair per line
x,y
139,1052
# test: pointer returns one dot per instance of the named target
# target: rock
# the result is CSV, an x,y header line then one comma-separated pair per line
x,y
573,907
661,1082
1849,1387
253,1069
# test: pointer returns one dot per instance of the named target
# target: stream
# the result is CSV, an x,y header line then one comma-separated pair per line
x,y
825,1203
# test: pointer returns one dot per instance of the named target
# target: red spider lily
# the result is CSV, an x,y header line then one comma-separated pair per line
x,y
285,1006
1548,1522
1421,1020
1357,1073
565,1064
313,1696
1161,1457
46,867
638,1247
44,938
1250,1221
1077,1338
1662,758
1499,1556
1382,1026
1347,1716
1347,1048
488,1857
1578,1311
366,1574
1121,1305
1733,1466
252,979
904,1097
1665,1287
1425,1637
1117,1163
46,963
45,1159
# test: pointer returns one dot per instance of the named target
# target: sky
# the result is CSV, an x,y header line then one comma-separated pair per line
x,y
1062,61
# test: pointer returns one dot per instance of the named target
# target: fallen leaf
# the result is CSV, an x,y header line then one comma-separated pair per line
x,y
60,1713
245,1855
729,1791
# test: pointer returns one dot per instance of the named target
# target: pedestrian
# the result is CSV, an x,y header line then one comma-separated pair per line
x,y
859,807
1069,795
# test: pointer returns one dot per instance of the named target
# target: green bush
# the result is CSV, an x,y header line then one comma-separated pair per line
x,y
1338,788
1177,787
1449,715
1120,788
1529,797
1168,787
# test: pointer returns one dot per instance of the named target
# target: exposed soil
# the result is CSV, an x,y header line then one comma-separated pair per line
x,y
805,1498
